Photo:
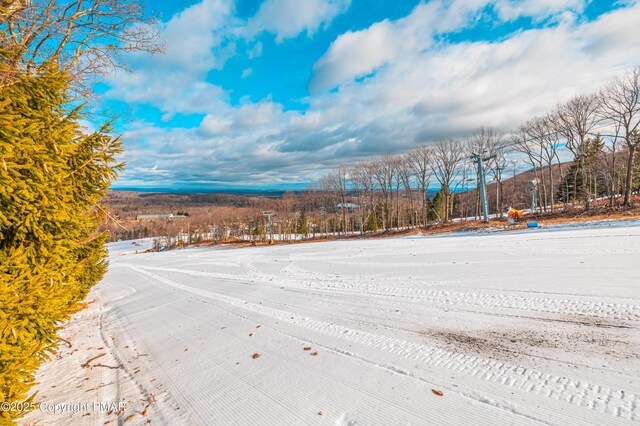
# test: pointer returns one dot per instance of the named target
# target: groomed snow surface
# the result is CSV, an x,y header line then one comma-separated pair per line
x,y
532,327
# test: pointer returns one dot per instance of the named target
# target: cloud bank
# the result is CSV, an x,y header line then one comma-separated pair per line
x,y
383,89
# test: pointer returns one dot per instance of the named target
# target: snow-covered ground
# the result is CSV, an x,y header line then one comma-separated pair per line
x,y
536,326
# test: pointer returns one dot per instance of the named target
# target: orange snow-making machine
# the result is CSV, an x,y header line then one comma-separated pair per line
x,y
514,215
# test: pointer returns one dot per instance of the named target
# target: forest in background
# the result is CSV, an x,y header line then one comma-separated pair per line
x,y
599,131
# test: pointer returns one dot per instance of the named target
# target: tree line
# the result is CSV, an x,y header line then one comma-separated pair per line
x,y
584,149
600,131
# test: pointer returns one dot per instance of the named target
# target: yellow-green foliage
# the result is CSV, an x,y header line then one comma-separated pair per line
x,y
52,177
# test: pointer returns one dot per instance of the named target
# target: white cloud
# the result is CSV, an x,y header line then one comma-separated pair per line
x,y
171,91
203,37
176,81
509,10
425,91
192,34
452,89
212,125
357,54
288,18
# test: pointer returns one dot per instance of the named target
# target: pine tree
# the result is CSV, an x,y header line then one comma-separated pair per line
x,y
52,177
572,185
302,226
438,207
370,224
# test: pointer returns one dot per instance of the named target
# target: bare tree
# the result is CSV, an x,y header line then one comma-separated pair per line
x,y
364,175
337,182
383,169
522,142
620,103
514,163
575,121
541,133
484,140
361,186
405,174
420,163
447,156
467,169
84,38
398,183
498,165
615,172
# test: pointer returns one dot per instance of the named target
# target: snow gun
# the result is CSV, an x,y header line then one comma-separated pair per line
x,y
514,215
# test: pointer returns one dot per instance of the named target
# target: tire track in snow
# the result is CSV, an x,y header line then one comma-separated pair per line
x,y
614,311
599,398
502,405
493,299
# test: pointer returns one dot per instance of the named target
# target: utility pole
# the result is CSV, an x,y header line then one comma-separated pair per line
x,y
268,214
534,193
498,178
480,158
323,213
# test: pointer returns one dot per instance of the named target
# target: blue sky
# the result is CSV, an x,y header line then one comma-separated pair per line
x,y
273,93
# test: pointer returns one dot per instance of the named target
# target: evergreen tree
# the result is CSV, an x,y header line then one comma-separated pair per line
x,y
572,185
438,207
302,225
636,172
370,224
52,177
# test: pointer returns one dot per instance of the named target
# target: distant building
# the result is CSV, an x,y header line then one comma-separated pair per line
x,y
158,217
349,206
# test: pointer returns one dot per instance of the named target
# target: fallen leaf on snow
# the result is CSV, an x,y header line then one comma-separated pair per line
x,y
308,348
437,392
254,356
315,353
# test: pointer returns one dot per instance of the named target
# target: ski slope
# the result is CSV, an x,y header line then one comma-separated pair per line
x,y
532,327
